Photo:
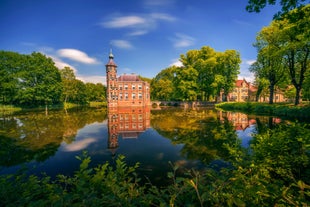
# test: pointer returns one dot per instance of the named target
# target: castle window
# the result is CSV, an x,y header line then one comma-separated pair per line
x,y
125,86
121,96
133,86
140,95
140,87
133,96
126,96
120,86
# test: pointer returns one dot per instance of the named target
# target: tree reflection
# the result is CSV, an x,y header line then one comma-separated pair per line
x,y
36,136
206,134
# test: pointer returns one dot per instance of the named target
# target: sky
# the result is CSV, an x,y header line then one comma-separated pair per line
x,y
146,36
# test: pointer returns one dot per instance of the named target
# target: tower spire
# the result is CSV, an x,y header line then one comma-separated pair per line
x,y
111,54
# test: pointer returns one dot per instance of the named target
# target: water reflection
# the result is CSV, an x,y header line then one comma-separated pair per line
x,y
190,138
29,136
126,123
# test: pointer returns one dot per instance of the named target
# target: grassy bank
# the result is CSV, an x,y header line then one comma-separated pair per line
x,y
9,109
287,110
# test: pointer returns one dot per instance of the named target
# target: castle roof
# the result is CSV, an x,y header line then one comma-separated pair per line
x,y
129,77
111,61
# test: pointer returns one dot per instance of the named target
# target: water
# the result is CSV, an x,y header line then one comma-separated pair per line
x,y
157,139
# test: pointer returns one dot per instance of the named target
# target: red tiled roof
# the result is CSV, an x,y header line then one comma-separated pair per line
x,y
129,77
239,82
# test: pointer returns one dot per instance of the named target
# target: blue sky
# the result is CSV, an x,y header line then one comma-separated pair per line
x,y
146,36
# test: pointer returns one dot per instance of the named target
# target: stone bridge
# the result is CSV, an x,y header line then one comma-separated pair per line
x,y
186,104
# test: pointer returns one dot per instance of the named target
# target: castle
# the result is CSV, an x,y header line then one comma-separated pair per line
x,y
127,89
128,99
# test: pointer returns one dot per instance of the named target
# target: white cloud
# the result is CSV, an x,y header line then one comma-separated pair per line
x,y
92,79
61,64
76,55
176,62
139,24
182,40
249,62
122,44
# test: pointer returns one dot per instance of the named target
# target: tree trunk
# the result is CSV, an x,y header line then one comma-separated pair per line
x,y
271,92
297,97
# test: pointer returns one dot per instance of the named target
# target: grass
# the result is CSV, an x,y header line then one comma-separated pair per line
x,y
6,109
276,109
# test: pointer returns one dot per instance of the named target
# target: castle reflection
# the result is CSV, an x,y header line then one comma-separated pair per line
x,y
126,123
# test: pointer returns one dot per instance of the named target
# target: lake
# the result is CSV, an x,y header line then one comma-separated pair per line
x,y
157,139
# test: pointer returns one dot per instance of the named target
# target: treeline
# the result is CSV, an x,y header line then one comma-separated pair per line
x,y
34,80
282,64
204,74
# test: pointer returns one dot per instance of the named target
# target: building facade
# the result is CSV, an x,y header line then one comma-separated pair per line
x,y
245,91
127,89
128,99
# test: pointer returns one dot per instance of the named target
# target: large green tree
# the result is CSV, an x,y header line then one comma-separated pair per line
x,y
269,63
284,44
162,87
296,46
34,79
228,65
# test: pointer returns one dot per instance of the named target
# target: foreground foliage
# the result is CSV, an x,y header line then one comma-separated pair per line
x,y
275,173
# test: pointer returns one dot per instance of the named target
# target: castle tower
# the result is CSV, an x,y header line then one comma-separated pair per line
x,y
111,73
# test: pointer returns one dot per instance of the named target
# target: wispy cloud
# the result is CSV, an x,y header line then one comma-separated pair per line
x,y
77,55
138,33
122,44
138,24
158,3
182,40
92,79
125,21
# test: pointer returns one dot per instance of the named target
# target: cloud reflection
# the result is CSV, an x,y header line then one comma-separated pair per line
x,y
79,145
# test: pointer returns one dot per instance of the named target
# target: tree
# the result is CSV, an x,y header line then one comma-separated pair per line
x,y
162,87
186,83
262,86
269,63
39,81
287,5
10,66
68,78
296,46
203,61
228,65
95,92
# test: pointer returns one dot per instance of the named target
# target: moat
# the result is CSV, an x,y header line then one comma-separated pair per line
x,y
157,139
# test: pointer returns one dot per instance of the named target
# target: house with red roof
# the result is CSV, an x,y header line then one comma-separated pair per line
x,y
245,91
